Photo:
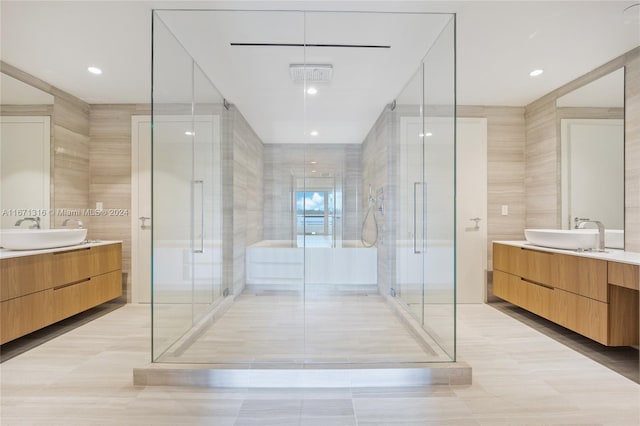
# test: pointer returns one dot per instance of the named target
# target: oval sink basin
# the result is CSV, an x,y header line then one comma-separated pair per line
x,y
37,239
568,239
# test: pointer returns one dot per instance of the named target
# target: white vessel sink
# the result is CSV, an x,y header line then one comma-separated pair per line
x,y
568,239
37,239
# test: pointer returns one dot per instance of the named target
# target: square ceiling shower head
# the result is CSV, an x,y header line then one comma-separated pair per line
x,y
311,73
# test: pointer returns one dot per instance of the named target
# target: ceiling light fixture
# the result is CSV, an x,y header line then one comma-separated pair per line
x,y
94,70
428,134
313,162
189,133
314,133
536,73
312,91
319,73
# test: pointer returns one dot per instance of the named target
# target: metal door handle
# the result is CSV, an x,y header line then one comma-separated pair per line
x,y
201,183
143,219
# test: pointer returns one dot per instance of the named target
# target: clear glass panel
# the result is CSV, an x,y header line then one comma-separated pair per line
x,y
172,177
207,119
317,224
439,179
409,259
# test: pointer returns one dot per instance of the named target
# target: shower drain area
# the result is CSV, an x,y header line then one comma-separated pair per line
x,y
279,339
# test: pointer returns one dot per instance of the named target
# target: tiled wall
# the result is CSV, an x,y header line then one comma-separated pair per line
x,y
377,169
247,153
505,172
632,152
110,176
542,181
284,173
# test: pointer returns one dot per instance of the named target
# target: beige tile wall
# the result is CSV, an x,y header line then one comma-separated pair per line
x,y
632,153
505,171
110,176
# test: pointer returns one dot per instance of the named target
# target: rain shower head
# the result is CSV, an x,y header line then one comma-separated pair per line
x,y
311,73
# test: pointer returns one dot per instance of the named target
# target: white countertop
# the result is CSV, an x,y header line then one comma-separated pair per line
x,y
7,254
613,255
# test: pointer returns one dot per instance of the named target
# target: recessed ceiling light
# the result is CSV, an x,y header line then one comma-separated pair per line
x,y
312,90
428,134
536,73
313,171
313,162
94,70
314,133
189,133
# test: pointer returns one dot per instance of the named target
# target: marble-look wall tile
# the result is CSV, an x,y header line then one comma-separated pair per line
x,y
378,170
632,153
246,168
284,174
505,173
70,159
110,176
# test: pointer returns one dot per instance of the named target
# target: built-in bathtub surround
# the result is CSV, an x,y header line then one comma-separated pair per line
x,y
280,265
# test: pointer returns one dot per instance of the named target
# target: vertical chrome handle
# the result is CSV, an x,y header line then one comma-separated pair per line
x,y
201,183
415,217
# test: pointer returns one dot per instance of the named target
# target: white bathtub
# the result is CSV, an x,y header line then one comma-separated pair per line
x,y
280,262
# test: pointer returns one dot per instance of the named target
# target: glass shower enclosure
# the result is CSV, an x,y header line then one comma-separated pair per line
x,y
313,238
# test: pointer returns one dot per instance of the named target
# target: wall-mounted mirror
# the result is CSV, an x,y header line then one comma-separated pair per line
x,y
592,155
25,148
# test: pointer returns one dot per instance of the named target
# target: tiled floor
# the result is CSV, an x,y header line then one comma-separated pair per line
x,y
521,377
286,327
624,360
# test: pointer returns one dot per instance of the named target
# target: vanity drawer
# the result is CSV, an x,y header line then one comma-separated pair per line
x,y
25,314
624,275
583,315
74,265
71,299
24,275
533,265
531,296
581,275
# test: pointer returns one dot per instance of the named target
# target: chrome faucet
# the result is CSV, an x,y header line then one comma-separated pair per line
x,y
600,231
78,221
35,220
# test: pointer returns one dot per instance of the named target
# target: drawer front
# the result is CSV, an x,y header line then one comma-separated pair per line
x,y
532,265
25,314
624,275
74,298
580,275
528,295
536,265
24,275
74,265
581,314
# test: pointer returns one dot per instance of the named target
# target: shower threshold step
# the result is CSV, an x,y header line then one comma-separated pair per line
x,y
303,375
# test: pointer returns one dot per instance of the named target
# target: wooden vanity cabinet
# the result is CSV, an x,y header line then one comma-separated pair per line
x,y
593,297
39,290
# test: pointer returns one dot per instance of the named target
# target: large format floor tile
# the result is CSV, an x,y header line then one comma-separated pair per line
x,y
521,377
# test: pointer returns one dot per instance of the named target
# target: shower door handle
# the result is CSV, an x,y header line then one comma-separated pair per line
x,y
201,218
416,249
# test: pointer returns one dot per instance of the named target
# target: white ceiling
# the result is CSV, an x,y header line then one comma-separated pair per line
x,y
498,43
